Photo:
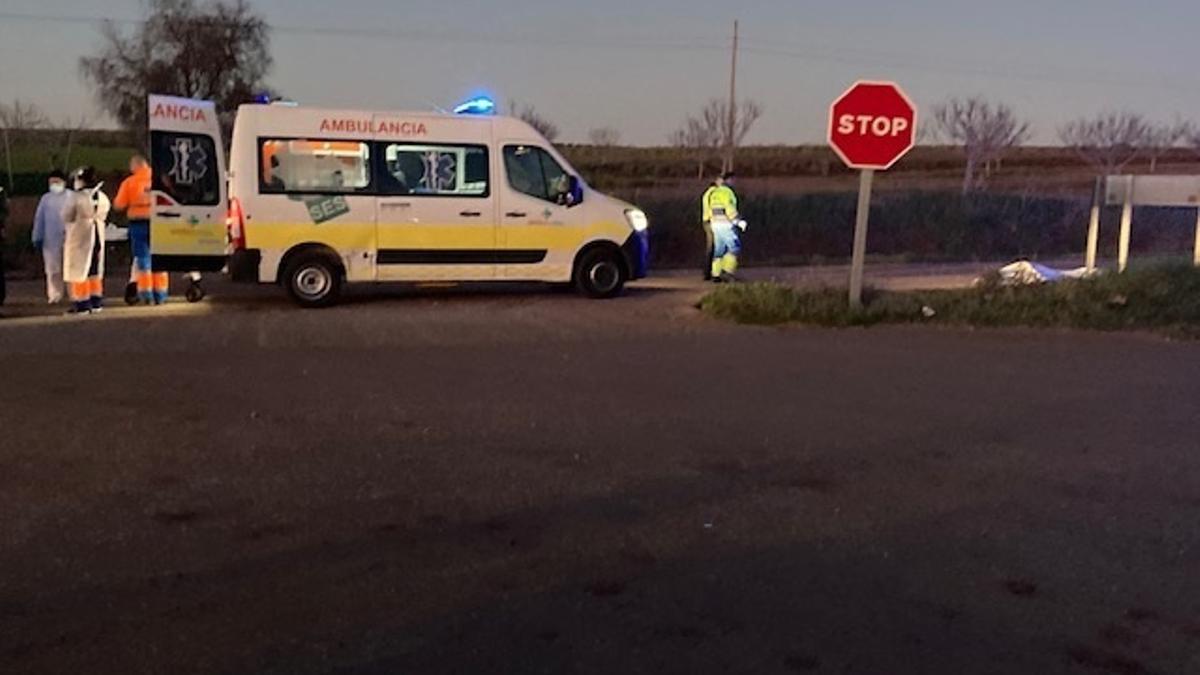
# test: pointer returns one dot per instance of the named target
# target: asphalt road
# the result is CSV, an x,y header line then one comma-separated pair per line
x,y
529,482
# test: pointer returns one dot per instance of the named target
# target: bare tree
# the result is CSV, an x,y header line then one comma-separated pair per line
x,y
1191,137
1109,141
986,132
604,137
1160,139
744,116
67,133
209,49
701,136
530,115
18,121
709,130
926,132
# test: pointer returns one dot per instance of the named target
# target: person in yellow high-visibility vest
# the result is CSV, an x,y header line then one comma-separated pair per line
x,y
720,205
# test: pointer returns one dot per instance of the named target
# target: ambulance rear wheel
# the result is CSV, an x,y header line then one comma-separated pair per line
x,y
195,292
600,273
313,280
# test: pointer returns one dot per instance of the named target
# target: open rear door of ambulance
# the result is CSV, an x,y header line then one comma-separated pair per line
x,y
187,224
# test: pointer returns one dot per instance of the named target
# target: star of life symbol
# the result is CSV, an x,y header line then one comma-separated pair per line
x,y
440,171
190,161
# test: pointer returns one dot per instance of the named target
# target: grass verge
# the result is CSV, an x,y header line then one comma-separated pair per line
x,y
1162,299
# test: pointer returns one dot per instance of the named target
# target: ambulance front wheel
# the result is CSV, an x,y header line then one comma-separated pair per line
x,y
600,273
313,280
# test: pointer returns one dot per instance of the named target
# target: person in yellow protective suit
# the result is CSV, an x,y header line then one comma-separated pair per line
x,y
85,215
721,227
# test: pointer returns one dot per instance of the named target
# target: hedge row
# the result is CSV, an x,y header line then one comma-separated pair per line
x,y
916,225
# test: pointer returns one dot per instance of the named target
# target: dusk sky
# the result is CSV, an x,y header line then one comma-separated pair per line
x,y
640,66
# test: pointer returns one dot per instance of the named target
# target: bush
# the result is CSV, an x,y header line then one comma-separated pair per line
x,y
787,229
913,225
1165,299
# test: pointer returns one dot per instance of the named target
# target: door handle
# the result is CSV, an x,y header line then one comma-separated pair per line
x,y
169,214
516,214
396,205
470,214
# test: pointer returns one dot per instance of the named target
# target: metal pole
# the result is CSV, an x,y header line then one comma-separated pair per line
x,y
8,158
1196,250
1126,225
1093,234
858,258
731,122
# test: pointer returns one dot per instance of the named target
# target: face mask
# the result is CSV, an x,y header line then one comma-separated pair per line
x,y
56,188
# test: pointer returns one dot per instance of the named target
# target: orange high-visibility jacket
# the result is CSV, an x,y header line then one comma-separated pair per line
x,y
134,196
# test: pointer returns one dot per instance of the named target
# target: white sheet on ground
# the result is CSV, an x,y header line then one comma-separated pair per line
x,y
1026,273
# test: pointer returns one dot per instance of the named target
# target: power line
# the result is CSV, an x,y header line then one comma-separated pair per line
x,y
768,48
906,63
535,41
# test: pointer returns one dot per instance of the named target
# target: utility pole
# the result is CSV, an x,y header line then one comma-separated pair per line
x,y
731,127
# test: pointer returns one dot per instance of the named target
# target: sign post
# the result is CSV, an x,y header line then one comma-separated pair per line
x,y
1126,228
871,126
1093,233
1161,191
858,257
1196,246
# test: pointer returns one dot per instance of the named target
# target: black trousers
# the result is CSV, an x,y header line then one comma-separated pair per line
x,y
708,250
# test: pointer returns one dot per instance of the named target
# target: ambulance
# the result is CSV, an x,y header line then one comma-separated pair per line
x,y
320,198
188,216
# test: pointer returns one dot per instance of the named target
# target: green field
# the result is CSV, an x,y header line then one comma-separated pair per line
x,y
627,169
31,160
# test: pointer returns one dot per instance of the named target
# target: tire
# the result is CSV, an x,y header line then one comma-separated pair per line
x,y
313,280
599,274
195,292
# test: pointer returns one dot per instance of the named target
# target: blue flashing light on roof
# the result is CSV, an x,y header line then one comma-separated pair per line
x,y
263,99
481,105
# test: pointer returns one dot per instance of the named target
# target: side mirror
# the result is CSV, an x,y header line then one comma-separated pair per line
x,y
570,192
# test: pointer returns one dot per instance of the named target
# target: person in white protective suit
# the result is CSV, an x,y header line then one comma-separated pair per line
x,y
85,215
50,232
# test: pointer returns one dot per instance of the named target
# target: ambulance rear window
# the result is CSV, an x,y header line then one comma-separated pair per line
x,y
302,166
185,167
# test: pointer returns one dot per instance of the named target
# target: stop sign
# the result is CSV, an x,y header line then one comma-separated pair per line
x,y
872,125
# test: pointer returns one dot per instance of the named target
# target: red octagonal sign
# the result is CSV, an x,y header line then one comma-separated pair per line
x,y
872,125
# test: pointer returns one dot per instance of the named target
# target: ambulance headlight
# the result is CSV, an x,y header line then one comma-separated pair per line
x,y
637,219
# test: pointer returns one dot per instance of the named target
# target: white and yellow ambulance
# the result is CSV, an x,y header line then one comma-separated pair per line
x,y
188,231
318,198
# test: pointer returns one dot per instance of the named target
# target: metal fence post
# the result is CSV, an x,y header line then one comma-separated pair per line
x,y
1126,226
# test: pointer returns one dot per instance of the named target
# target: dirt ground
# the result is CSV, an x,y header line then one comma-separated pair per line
x,y
523,481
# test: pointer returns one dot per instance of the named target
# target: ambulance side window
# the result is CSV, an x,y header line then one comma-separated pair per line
x,y
301,166
185,167
534,172
433,169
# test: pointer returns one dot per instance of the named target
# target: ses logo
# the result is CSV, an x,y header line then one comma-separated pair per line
x,y
325,208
